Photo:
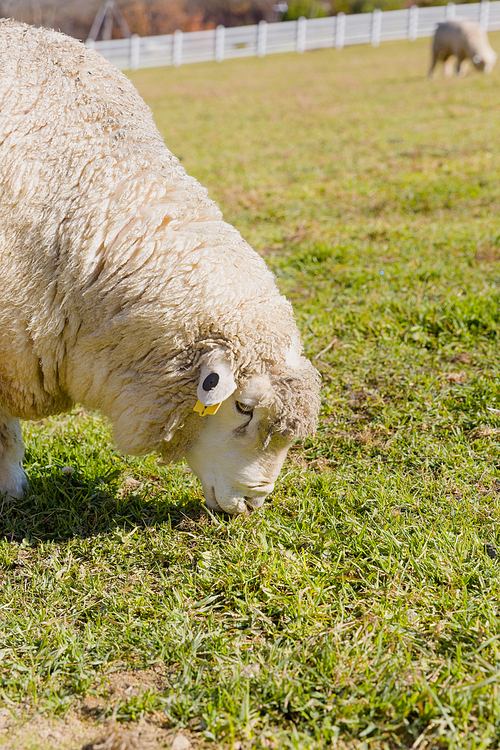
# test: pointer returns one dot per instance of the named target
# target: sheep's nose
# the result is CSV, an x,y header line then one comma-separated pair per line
x,y
258,490
254,502
256,496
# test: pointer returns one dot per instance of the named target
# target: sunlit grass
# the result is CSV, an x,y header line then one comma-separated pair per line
x,y
362,605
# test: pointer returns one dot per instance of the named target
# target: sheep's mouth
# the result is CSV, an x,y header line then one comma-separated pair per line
x,y
249,504
254,503
250,507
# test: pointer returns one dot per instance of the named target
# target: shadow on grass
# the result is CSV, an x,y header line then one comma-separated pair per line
x,y
58,508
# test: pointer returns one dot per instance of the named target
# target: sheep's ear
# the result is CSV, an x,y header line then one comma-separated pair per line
x,y
215,385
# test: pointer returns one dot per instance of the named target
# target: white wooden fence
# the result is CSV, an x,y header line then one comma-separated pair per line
x,y
290,36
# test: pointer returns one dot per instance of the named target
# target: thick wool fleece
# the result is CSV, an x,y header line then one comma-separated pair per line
x,y
118,273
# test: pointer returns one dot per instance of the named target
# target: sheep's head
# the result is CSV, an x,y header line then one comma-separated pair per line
x,y
486,61
478,62
490,59
241,448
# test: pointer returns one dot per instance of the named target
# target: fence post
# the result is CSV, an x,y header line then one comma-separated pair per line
x,y
484,14
177,49
135,51
300,42
450,12
412,22
220,35
90,43
340,31
376,27
261,38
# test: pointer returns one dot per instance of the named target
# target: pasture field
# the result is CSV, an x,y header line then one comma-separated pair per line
x,y
361,608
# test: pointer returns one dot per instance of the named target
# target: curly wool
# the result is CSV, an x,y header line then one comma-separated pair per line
x,y
122,275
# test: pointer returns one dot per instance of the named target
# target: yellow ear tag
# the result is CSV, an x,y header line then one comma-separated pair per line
x,y
204,410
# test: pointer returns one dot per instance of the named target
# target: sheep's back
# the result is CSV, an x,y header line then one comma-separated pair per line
x,y
73,128
106,243
460,37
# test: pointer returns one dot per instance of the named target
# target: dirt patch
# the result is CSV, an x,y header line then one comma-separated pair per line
x,y
130,485
73,733
455,377
144,736
300,462
86,728
120,686
372,437
483,431
462,357
193,519
41,733
125,684
488,253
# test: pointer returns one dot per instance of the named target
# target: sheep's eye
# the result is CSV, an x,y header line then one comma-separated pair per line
x,y
243,408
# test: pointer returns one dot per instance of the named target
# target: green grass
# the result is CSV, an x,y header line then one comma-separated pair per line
x,y
362,607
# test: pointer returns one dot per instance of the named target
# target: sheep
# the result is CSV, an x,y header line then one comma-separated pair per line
x,y
465,40
125,291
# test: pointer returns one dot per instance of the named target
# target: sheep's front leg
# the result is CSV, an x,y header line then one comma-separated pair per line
x,y
462,67
13,480
435,57
447,66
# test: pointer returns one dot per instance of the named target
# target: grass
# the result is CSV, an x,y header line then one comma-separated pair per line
x,y
362,607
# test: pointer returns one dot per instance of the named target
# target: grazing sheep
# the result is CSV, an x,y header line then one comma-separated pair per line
x,y
124,290
465,40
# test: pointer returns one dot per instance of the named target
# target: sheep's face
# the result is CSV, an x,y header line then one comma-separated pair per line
x,y
490,60
478,62
485,62
236,455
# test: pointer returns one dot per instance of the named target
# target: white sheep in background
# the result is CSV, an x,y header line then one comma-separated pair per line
x,y
465,40
124,290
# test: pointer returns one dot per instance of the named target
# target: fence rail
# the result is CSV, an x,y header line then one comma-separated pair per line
x,y
290,36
